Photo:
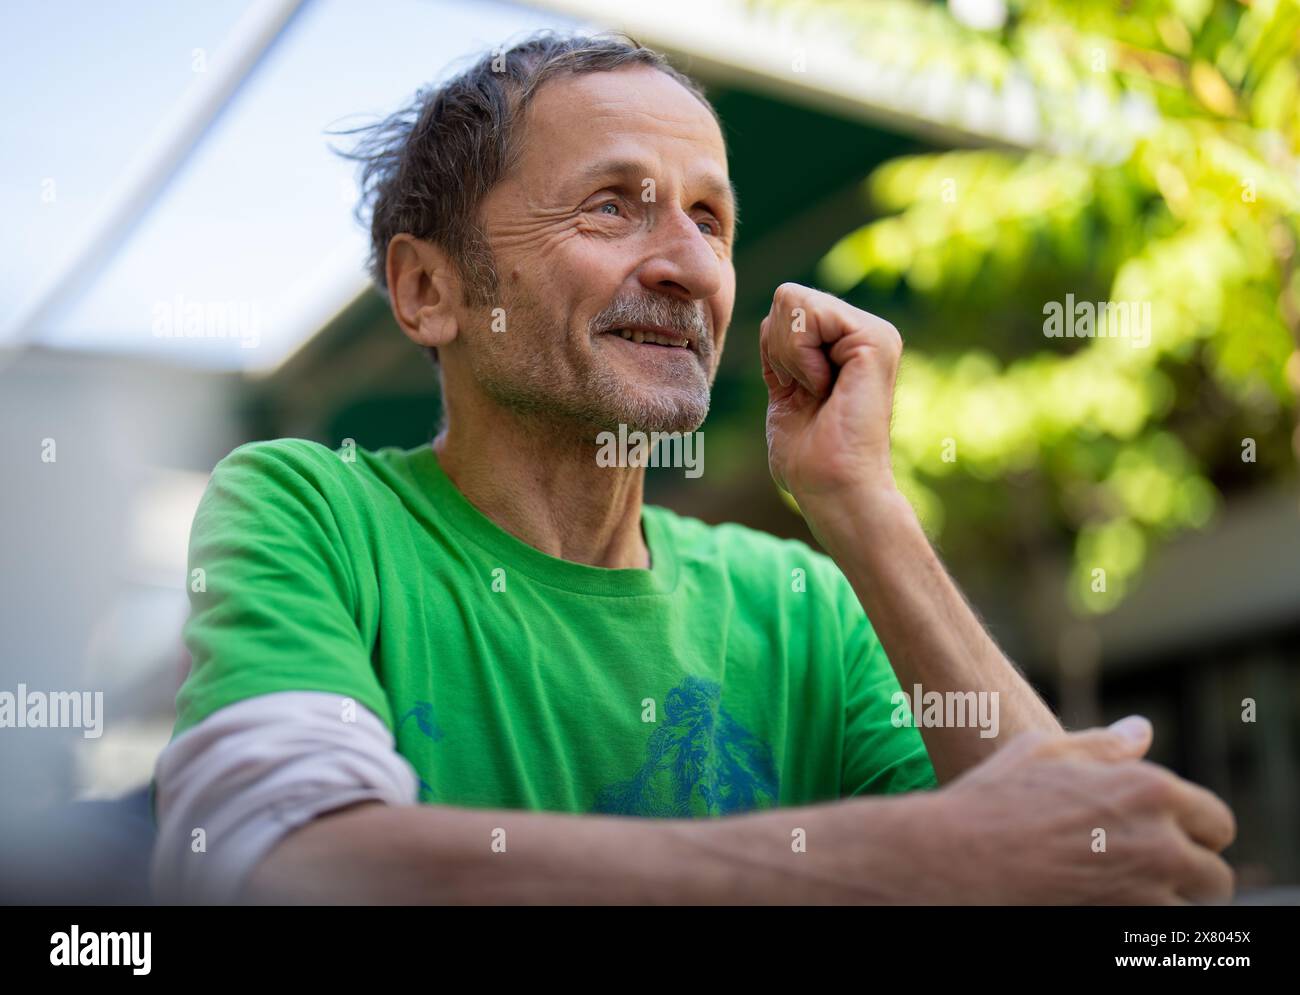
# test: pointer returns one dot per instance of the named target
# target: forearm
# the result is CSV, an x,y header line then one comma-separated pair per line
x,y
930,633
855,851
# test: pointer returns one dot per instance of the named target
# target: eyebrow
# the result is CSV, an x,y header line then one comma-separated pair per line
x,y
630,168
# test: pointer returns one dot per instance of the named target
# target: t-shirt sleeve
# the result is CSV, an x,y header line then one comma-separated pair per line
x,y
879,757
274,599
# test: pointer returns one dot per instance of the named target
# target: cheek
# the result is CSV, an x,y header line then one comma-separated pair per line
x,y
589,277
592,260
558,297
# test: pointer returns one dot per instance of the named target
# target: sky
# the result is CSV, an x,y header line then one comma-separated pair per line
x,y
252,243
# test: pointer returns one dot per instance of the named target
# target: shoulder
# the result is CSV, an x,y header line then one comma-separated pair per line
x,y
291,501
289,480
298,465
299,456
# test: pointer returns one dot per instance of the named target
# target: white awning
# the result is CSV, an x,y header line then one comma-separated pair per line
x,y
167,182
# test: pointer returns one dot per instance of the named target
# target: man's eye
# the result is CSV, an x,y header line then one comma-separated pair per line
x,y
613,209
708,227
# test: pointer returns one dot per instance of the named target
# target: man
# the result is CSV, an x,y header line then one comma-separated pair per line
x,y
495,627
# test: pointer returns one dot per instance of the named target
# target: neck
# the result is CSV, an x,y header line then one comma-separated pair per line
x,y
546,489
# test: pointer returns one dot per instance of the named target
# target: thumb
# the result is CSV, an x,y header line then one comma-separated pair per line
x,y
1127,739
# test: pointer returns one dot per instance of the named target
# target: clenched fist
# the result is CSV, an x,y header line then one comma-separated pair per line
x,y
829,369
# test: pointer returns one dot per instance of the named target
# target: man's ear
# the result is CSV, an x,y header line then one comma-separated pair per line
x,y
423,288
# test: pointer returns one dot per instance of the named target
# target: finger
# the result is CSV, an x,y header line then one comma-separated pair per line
x,y
809,364
784,346
1127,739
770,376
799,352
839,320
824,317
1171,898
874,348
782,374
1204,816
1205,877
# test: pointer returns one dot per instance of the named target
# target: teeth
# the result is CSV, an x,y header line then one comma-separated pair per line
x,y
652,337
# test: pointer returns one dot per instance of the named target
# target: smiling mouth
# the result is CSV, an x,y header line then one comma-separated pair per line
x,y
641,337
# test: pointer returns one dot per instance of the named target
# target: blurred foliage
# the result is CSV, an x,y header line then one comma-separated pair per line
x,y
1141,152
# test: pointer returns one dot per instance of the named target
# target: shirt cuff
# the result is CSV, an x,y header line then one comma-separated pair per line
x,y
234,785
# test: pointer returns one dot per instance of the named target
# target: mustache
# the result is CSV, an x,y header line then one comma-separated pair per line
x,y
668,312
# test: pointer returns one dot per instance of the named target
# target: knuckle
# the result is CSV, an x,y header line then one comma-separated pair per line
x,y
1181,861
1219,880
1153,787
787,293
1166,854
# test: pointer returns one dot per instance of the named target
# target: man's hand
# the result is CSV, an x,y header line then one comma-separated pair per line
x,y
829,369
1021,827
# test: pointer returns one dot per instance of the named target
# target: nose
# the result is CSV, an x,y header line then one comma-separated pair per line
x,y
681,261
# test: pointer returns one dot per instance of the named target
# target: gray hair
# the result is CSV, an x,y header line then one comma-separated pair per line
x,y
426,169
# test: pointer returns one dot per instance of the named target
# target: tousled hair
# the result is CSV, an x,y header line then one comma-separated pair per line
x,y
426,169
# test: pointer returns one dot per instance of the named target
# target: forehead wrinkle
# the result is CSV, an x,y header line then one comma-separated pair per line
x,y
552,110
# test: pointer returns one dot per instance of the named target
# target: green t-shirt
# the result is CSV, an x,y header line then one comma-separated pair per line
x,y
739,672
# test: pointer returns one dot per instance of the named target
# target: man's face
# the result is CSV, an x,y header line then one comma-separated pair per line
x,y
617,216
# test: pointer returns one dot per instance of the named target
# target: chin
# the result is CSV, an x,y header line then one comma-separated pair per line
x,y
674,411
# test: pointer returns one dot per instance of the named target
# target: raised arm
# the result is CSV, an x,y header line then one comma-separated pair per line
x,y
830,369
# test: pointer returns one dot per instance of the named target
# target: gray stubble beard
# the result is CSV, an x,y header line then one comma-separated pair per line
x,y
600,400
